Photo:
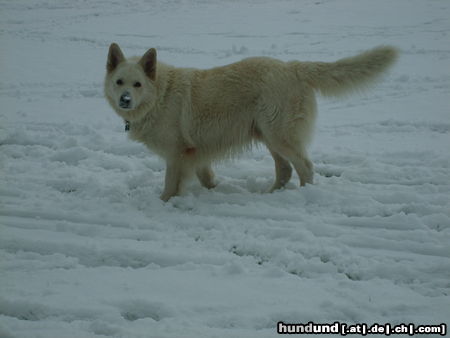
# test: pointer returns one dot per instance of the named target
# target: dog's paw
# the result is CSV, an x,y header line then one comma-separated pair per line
x,y
210,185
165,197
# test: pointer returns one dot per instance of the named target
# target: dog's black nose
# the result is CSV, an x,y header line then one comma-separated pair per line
x,y
125,100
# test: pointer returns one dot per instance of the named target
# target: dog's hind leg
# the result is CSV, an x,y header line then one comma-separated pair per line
x,y
303,166
206,176
286,152
286,149
283,171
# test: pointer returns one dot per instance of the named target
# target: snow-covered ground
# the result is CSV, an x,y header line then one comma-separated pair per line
x,y
87,249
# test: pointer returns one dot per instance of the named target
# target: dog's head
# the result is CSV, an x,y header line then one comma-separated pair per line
x,y
130,83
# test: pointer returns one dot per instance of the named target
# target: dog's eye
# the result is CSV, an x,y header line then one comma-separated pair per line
x,y
137,84
119,82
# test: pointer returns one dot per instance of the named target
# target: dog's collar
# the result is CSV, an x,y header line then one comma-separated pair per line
x,y
127,125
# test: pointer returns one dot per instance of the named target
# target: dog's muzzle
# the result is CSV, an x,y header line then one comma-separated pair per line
x,y
125,101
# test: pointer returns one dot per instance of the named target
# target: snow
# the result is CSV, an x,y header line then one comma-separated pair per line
x,y
87,249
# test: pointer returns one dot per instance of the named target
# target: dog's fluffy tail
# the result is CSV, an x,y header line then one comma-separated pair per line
x,y
348,74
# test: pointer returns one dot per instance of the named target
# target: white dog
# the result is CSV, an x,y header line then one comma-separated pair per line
x,y
191,117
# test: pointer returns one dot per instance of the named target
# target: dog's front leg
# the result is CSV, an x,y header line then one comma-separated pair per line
x,y
174,175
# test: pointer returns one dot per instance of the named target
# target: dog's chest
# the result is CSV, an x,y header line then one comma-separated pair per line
x,y
157,137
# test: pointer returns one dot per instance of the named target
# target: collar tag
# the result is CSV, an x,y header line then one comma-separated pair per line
x,y
127,125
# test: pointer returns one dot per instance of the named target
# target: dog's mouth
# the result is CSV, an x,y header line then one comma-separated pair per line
x,y
125,101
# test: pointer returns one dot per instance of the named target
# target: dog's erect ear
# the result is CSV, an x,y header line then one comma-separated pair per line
x,y
148,62
115,56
